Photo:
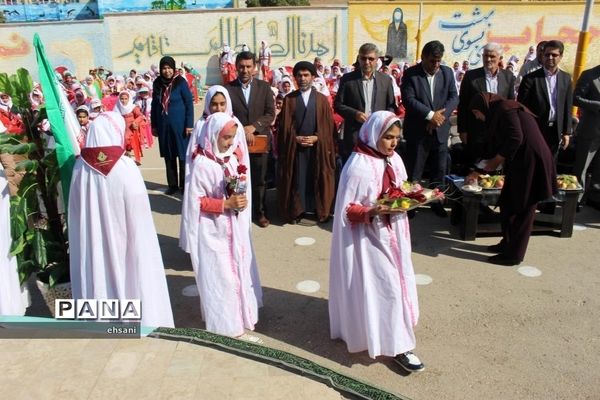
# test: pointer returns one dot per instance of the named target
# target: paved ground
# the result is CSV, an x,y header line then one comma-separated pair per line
x,y
486,332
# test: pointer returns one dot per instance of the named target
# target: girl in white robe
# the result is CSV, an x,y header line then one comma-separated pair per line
x,y
114,250
372,292
11,298
217,100
222,254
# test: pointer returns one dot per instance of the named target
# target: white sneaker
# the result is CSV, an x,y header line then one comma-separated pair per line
x,y
409,362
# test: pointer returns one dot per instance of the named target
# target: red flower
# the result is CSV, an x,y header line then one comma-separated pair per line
x,y
241,169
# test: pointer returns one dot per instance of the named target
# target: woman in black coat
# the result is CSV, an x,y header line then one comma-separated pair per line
x,y
172,118
516,142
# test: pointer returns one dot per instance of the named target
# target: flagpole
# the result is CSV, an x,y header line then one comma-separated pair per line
x,y
418,37
584,41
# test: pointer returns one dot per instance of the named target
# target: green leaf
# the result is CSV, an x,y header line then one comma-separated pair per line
x,y
39,247
18,216
24,148
24,79
25,268
27,166
9,139
5,84
50,160
58,273
18,245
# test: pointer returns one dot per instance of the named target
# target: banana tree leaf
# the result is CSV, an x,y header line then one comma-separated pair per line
x,y
58,273
9,139
26,268
27,166
17,246
25,81
24,148
5,84
39,247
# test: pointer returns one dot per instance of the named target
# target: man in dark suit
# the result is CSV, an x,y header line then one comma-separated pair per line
x,y
587,97
487,79
548,93
253,105
361,93
429,96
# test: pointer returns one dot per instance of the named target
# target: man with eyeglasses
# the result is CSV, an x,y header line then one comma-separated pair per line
x,y
429,96
548,93
361,93
487,79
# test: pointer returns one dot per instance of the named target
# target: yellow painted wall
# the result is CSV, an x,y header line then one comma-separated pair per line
x,y
138,40
464,27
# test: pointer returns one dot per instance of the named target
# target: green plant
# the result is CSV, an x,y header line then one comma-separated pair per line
x,y
39,239
168,5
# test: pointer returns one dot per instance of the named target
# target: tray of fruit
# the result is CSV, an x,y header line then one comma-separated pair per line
x,y
409,196
567,182
491,182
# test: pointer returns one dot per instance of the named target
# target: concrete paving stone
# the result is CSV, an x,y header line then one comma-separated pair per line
x,y
178,388
121,365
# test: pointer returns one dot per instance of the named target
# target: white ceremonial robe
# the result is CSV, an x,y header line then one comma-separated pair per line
x,y
11,297
223,257
189,210
114,249
372,292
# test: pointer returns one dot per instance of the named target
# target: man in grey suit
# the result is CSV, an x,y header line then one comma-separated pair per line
x,y
429,96
491,79
548,93
362,92
587,97
253,104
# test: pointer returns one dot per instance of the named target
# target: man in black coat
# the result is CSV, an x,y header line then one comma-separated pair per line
x,y
253,104
429,96
361,93
548,93
487,79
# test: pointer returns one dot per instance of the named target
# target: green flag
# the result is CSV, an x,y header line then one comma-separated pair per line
x,y
63,121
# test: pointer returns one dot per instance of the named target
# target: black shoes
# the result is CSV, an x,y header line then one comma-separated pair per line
x,y
171,190
501,259
496,248
409,362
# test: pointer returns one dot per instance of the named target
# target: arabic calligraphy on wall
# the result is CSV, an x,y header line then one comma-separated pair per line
x,y
464,29
197,37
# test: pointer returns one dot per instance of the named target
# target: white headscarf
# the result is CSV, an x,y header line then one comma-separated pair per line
x,y
6,105
377,124
209,95
107,129
127,108
211,130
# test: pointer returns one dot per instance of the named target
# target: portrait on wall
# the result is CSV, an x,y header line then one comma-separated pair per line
x,y
397,36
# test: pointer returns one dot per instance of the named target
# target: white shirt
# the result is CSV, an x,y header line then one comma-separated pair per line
x,y
431,81
552,93
305,95
246,90
368,86
491,82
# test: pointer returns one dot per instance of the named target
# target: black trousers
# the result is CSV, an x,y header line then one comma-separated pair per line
x,y
174,179
258,172
426,148
516,230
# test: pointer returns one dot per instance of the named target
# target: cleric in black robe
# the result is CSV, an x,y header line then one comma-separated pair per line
x,y
306,164
516,142
397,36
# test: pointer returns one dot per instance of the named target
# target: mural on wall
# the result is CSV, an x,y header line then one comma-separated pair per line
x,y
74,46
397,36
292,36
116,6
53,11
464,29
